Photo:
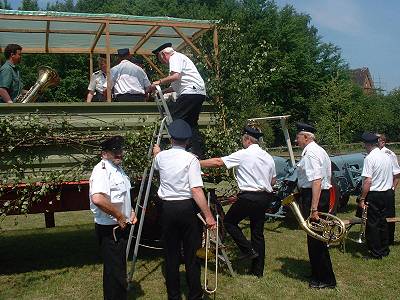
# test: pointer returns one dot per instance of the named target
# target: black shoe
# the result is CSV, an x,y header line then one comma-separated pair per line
x,y
250,255
323,285
313,284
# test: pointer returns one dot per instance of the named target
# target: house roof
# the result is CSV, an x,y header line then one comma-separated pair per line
x,y
359,75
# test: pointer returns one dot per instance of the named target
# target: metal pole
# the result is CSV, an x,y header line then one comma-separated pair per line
x,y
288,142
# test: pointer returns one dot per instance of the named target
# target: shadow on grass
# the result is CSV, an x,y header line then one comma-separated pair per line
x,y
55,248
298,269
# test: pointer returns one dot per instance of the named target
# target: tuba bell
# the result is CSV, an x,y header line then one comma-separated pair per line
x,y
329,229
47,77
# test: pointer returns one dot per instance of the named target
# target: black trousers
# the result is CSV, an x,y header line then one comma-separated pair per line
x,y
187,107
318,253
254,206
181,226
115,282
376,231
129,98
390,212
99,97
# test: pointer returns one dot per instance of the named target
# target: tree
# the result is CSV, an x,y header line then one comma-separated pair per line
x,y
29,5
5,5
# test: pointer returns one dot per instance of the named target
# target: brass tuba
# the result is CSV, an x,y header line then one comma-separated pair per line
x,y
329,229
47,77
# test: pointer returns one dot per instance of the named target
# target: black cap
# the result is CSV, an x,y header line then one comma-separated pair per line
x,y
162,47
123,51
305,127
115,143
369,138
137,60
254,132
180,130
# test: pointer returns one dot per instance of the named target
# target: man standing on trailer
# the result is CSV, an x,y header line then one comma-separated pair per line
x,y
10,80
186,81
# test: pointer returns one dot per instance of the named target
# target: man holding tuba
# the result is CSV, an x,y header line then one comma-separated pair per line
x,y
314,182
10,80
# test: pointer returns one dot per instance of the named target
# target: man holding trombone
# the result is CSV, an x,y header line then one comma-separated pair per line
x,y
256,176
182,194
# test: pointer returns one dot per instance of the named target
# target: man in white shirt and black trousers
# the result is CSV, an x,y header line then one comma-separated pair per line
x,y
181,191
129,81
377,185
255,175
390,201
186,81
110,201
314,182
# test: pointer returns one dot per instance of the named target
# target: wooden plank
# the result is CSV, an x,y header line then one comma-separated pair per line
x,y
144,38
79,50
189,42
108,61
47,36
97,37
153,65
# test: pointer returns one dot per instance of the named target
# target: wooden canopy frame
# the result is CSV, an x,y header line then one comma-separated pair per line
x,y
104,22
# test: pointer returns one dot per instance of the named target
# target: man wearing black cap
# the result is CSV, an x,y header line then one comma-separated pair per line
x,y
186,81
314,182
390,201
129,81
182,195
255,175
377,184
110,201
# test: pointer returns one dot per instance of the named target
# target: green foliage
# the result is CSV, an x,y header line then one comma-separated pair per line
x,y
4,4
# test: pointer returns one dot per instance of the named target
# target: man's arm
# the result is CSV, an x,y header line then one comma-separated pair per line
x,y
316,193
273,181
103,202
200,199
89,96
174,76
396,179
215,162
365,189
5,96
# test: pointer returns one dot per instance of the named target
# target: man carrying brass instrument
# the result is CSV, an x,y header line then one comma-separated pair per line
x,y
376,188
255,175
10,81
390,201
182,194
314,182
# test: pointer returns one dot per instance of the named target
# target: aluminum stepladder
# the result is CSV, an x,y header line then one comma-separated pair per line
x,y
165,120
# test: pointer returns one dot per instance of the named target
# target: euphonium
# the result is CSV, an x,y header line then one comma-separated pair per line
x,y
47,77
329,229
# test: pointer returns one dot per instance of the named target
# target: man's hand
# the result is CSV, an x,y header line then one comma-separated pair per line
x,y
211,224
361,203
314,216
156,150
121,221
133,219
151,88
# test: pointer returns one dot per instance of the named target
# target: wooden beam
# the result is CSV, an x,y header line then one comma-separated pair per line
x,y
145,38
47,36
90,64
149,22
97,37
189,42
161,73
78,50
108,61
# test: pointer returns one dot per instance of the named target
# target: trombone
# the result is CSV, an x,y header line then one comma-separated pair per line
x,y
205,252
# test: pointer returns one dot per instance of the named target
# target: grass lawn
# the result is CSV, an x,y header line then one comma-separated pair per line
x,y
64,263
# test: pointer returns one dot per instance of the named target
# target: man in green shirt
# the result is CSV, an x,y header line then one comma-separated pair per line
x,y
10,81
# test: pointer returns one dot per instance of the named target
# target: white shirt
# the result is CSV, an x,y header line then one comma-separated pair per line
x,y
378,167
179,172
191,81
112,181
97,81
255,168
314,164
128,78
393,158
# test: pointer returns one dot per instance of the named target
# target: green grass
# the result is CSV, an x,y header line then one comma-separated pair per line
x,y
64,263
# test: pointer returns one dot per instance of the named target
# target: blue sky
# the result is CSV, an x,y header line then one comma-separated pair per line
x,y
367,31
